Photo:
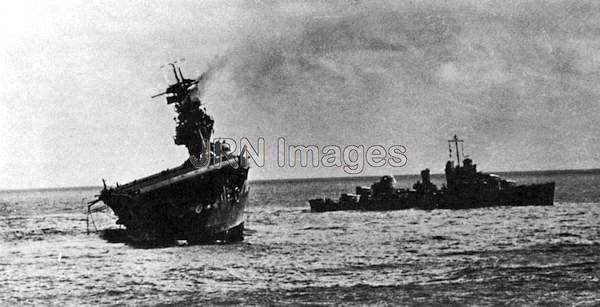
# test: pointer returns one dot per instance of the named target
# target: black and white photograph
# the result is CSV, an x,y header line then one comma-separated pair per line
x,y
300,153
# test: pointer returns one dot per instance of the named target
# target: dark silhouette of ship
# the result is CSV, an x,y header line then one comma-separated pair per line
x,y
202,200
465,188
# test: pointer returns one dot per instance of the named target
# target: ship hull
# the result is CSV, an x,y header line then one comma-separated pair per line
x,y
197,205
523,195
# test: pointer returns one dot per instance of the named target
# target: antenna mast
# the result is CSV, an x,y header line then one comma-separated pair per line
x,y
455,140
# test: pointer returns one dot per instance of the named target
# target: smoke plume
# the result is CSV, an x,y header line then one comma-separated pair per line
x,y
213,67
377,71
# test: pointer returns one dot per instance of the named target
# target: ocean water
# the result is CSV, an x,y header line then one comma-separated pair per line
x,y
498,256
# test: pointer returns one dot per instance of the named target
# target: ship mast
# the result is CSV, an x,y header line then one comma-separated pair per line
x,y
455,140
194,127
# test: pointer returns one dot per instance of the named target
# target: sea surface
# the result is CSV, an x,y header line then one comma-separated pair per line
x,y
499,256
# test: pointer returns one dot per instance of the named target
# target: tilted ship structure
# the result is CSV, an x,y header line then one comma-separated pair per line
x,y
201,200
465,188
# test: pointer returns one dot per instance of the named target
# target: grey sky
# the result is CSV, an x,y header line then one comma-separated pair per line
x,y
517,79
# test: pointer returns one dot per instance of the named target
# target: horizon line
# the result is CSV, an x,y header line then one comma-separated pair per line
x,y
546,171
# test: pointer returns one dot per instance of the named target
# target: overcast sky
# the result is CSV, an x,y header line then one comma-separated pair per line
x,y
518,80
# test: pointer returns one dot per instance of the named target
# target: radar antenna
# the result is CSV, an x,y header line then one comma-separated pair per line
x,y
178,89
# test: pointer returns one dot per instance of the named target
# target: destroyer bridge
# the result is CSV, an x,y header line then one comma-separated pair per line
x,y
465,188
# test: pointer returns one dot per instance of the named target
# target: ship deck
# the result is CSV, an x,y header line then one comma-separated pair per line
x,y
171,176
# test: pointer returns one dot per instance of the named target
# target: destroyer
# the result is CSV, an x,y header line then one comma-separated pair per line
x,y
202,200
465,188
